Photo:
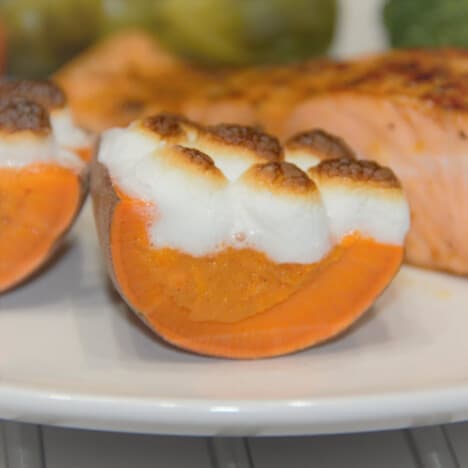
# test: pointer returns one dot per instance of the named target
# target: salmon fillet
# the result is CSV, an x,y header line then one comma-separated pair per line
x,y
406,109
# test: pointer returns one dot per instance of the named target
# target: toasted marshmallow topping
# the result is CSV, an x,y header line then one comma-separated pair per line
x,y
18,114
171,128
193,217
272,206
235,148
361,196
45,93
35,126
307,149
279,210
26,136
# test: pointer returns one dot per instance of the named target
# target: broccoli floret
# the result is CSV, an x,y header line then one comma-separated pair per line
x,y
427,23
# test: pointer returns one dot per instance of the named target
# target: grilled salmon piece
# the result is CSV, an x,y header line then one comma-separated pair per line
x,y
405,109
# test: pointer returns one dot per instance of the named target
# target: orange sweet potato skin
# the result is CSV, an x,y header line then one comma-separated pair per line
x,y
105,199
83,183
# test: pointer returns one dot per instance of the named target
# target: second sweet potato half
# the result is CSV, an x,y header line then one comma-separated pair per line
x,y
43,176
227,244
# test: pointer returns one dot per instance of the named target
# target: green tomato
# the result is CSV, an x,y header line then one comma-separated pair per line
x,y
246,31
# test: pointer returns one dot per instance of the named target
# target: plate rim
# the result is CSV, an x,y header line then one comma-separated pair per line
x,y
201,417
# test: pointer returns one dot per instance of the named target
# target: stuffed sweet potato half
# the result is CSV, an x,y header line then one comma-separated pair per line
x,y
43,176
226,243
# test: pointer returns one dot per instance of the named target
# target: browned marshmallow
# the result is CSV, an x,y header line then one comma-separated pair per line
x,y
37,127
171,128
280,178
44,92
362,171
262,144
235,148
18,114
364,197
309,148
278,209
191,161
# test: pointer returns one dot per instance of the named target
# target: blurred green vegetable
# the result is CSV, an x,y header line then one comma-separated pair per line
x,y
427,23
44,34
117,14
239,32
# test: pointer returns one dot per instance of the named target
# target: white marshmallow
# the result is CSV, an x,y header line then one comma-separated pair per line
x,y
23,148
17,151
302,159
379,213
66,132
289,228
121,150
199,215
231,166
191,208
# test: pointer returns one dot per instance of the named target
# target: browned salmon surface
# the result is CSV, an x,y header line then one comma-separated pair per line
x,y
405,109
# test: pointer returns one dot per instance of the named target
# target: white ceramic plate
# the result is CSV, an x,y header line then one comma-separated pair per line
x,y
72,354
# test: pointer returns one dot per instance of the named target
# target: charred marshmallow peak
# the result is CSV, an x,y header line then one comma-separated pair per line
x,y
19,115
191,162
44,92
307,149
364,197
235,148
28,126
170,128
25,132
26,136
52,99
278,210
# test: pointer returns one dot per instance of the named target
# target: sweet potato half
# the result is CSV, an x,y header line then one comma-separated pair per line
x,y
251,296
43,176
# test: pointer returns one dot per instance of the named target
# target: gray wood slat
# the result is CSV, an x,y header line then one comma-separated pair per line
x,y
69,448
230,452
432,447
3,461
22,445
458,437
371,450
